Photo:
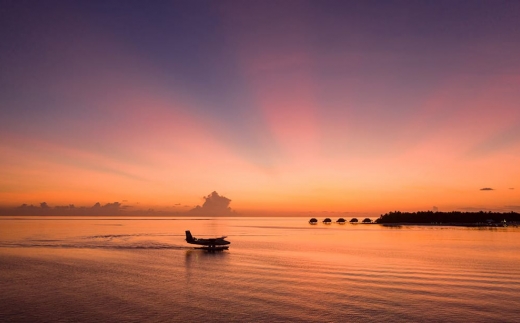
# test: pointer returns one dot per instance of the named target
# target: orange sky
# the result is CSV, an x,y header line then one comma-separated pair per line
x,y
291,108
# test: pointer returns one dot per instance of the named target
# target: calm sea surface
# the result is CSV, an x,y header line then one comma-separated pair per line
x,y
276,270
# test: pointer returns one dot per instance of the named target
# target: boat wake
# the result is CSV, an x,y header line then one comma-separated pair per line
x,y
72,245
110,241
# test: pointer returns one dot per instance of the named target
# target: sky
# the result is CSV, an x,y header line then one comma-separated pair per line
x,y
279,106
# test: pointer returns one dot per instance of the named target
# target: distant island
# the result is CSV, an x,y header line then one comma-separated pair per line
x,y
447,218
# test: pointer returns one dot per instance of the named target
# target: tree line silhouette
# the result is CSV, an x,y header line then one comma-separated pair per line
x,y
447,217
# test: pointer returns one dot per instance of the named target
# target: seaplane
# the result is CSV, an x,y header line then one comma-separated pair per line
x,y
209,244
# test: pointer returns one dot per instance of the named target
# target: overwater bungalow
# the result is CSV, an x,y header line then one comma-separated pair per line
x,y
367,220
313,221
341,221
354,220
327,221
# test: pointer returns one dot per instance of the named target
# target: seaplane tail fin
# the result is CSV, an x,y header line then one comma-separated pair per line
x,y
189,237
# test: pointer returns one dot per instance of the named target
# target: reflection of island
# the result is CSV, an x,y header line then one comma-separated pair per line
x,y
451,218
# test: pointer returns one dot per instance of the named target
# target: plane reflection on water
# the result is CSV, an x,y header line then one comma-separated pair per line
x,y
209,244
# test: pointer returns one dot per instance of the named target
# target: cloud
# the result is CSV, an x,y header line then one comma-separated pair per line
x,y
214,204
511,188
69,210
487,189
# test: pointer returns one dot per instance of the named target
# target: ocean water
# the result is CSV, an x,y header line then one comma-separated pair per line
x,y
276,270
